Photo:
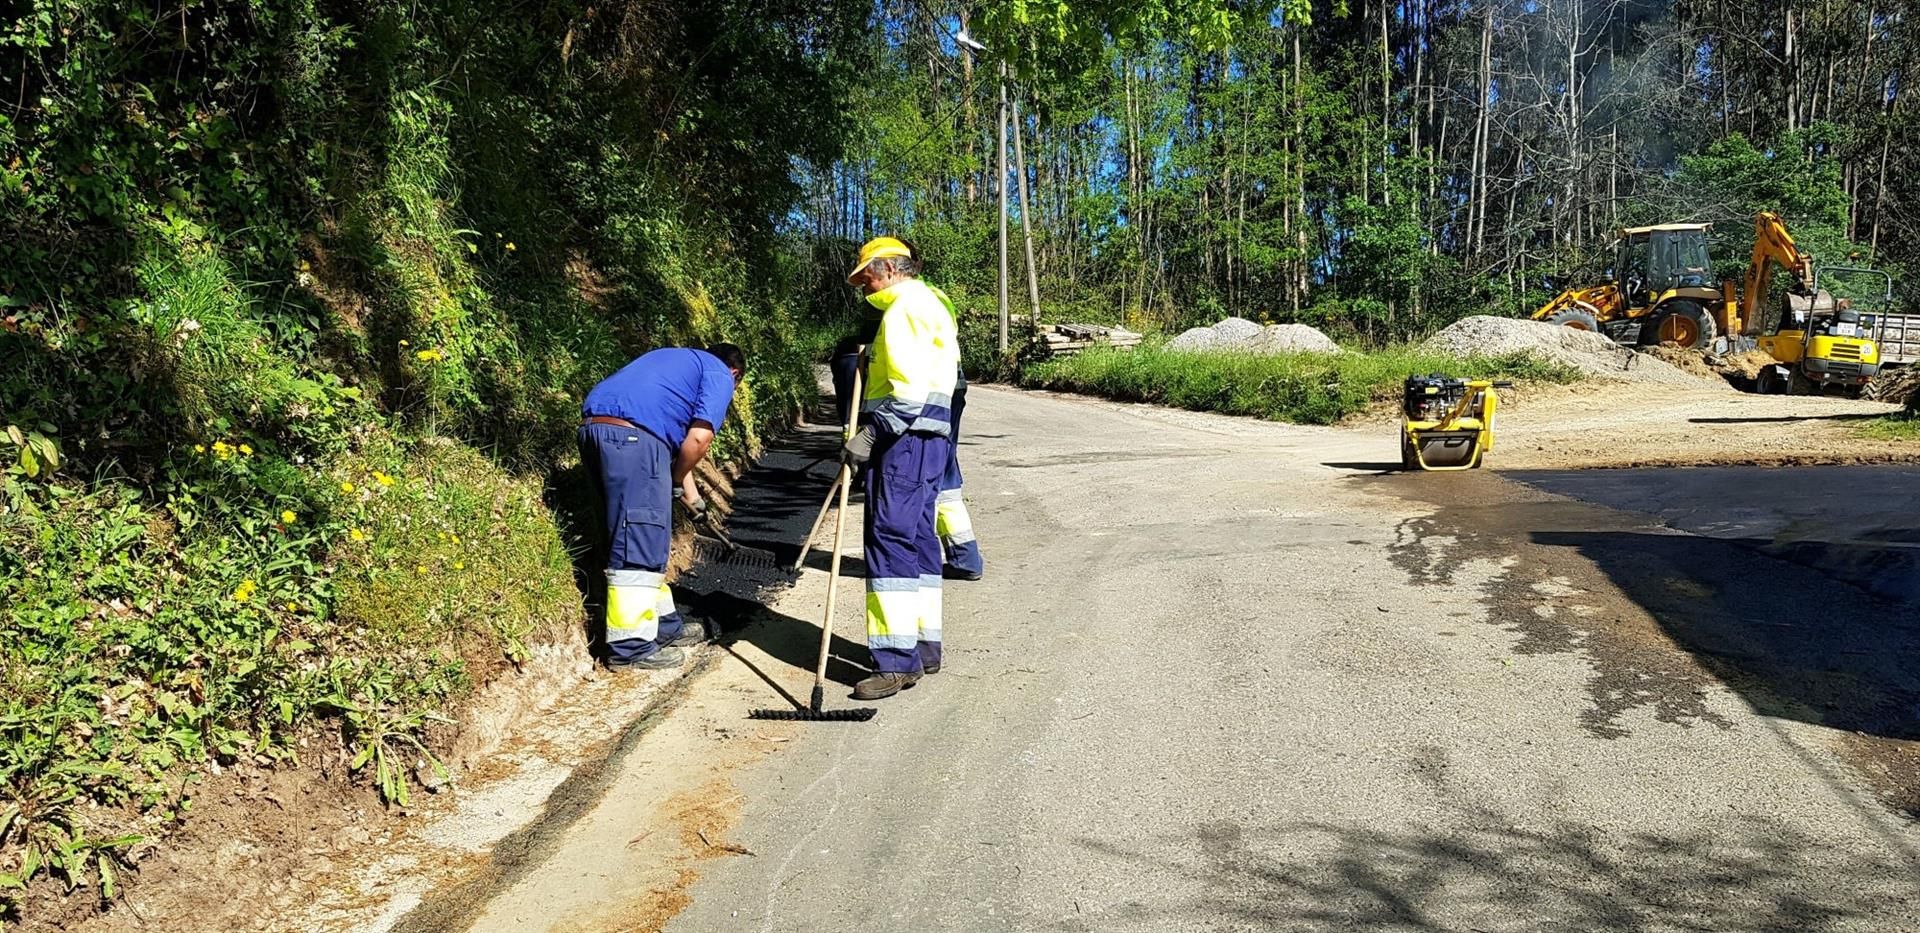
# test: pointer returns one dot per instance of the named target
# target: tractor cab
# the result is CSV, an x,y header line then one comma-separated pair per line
x,y
1653,261
1665,277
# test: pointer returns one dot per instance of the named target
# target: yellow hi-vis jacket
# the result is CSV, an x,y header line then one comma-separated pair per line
x,y
913,361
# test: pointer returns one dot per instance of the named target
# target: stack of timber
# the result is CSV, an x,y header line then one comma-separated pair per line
x,y
1068,339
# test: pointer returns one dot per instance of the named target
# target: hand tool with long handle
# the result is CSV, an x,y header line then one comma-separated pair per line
x,y
806,544
813,712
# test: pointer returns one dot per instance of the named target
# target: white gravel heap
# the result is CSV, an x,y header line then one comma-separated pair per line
x,y
1240,334
1199,338
1483,335
1236,332
1280,338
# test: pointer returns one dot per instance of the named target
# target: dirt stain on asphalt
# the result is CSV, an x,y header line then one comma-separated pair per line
x,y
1665,618
1556,601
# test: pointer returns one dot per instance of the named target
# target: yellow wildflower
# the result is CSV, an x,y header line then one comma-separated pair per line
x,y
382,478
357,535
287,516
293,607
429,356
246,451
244,591
346,486
403,343
421,570
199,448
459,565
456,538
510,246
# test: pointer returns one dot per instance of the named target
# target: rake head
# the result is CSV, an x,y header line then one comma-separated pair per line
x,y
860,714
709,550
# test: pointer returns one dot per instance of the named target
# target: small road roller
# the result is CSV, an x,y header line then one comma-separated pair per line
x,y
1447,423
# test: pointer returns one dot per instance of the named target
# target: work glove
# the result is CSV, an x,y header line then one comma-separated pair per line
x,y
858,448
695,503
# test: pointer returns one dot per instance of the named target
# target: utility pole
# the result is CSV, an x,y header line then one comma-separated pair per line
x,y
1003,208
1026,226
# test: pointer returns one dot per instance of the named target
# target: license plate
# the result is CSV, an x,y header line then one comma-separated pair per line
x,y
1845,330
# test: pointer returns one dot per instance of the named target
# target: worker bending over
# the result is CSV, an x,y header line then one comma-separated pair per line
x,y
908,401
644,429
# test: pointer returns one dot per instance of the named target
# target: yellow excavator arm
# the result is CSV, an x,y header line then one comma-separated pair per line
x,y
1772,245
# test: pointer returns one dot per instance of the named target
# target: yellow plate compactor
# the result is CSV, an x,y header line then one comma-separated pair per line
x,y
1447,424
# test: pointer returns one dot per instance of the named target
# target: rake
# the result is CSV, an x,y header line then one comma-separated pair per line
x,y
813,713
721,549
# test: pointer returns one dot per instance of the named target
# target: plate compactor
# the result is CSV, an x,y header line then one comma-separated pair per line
x,y
1447,423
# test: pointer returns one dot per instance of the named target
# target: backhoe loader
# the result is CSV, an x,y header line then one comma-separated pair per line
x,y
1663,293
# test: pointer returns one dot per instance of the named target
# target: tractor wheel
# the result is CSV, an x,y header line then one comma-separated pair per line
x,y
1799,384
1684,324
1578,318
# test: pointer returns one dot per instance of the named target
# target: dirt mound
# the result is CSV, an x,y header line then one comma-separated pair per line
x,y
1687,361
1747,363
1484,335
1896,385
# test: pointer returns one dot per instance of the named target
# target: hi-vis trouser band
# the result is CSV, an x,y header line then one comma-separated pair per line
x,y
636,602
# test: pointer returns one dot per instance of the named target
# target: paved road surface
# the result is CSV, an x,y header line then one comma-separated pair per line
x,y
1226,675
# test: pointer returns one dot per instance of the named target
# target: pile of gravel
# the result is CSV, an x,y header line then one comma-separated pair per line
x,y
1483,335
1242,335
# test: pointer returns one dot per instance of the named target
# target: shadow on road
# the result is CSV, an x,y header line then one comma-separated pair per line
x,y
1751,874
1848,416
793,641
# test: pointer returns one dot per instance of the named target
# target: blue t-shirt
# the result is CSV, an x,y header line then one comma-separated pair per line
x,y
665,390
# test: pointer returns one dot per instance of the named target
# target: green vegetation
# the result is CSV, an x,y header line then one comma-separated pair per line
x,y
1305,388
1904,426
1374,169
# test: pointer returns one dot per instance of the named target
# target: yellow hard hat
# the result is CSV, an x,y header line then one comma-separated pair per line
x,y
879,247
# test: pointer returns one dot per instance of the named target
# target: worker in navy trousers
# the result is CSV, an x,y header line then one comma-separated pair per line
x,y
643,430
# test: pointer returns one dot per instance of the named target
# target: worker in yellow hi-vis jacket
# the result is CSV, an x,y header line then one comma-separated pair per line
x,y
908,402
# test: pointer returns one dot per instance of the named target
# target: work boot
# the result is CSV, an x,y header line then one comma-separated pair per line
x,y
883,685
955,573
691,633
666,658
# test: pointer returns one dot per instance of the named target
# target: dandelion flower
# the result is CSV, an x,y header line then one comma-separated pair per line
x,y
459,565
246,451
346,486
199,448
429,356
287,516
456,538
244,591
293,607
511,247
403,343
421,570
382,478
357,535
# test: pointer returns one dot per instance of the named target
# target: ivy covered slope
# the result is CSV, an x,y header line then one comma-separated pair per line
x,y
299,301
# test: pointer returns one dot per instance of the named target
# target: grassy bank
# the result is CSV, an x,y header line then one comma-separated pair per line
x,y
297,304
1304,388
